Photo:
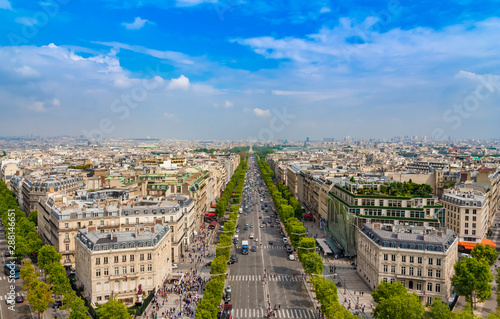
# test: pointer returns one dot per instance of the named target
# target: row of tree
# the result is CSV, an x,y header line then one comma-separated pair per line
x,y
212,297
220,208
290,211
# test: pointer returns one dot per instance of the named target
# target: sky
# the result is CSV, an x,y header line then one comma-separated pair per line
x,y
236,69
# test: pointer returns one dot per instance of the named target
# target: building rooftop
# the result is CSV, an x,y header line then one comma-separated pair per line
x,y
410,237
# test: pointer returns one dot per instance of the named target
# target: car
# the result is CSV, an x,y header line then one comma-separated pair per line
x,y
291,257
270,242
272,225
174,266
251,225
251,235
277,220
231,261
254,248
228,289
260,217
262,225
57,304
19,299
228,296
246,224
289,249
237,230
7,254
256,239
285,240
245,228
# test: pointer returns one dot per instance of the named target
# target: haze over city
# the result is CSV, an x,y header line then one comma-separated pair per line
x,y
193,69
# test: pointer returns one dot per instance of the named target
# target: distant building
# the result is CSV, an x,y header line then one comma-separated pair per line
x,y
421,258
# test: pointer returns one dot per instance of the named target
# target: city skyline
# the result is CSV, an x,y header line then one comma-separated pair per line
x,y
229,70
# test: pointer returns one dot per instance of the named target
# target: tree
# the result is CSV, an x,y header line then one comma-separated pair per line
x,y
28,274
47,255
114,309
386,290
440,310
472,279
58,278
33,217
486,252
465,313
39,296
76,305
401,306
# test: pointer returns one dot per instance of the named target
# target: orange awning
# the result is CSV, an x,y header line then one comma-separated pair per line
x,y
467,245
471,245
486,241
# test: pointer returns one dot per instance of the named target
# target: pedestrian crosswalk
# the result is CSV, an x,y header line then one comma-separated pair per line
x,y
281,313
259,278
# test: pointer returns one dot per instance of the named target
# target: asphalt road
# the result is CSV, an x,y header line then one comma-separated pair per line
x,y
281,288
18,310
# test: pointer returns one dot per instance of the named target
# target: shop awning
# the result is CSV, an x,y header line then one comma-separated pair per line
x,y
471,245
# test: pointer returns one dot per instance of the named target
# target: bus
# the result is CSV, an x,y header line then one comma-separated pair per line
x,y
11,270
212,225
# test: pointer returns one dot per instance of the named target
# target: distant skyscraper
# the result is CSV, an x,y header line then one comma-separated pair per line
x,y
307,139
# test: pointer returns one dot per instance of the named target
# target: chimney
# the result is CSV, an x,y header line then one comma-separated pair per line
x,y
152,229
111,235
376,225
91,229
439,233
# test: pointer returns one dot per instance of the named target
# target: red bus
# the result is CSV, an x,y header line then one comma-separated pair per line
x,y
212,225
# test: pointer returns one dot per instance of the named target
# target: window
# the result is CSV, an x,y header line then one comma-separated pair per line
x,y
412,259
150,267
419,260
438,288
117,271
67,247
79,224
116,259
410,271
66,225
466,218
392,280
473,232
386,257
384,280
385,268
466,224
419,272
141,257
137,220
429,300
132,257
98,272
105,260
102,222
98,261
429,286
438,273
393,257
141,268
473,218
467,232
419,286
393,269
124,270
403,259
429,272
474,211
403,270
106,272
124,258
132,269
402,282
473,225
149,256
430,261
438,262
467,211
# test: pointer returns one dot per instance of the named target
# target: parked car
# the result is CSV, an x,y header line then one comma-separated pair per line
x,y
228,288
270,242
254,248
174,266
19,299
291,257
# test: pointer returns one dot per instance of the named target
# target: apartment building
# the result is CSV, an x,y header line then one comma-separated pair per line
x,y
292,178
60,218
30,189
365,200
116,264
467,214
421,258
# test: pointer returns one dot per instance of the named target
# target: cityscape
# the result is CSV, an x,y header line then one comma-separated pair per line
x,y
228,159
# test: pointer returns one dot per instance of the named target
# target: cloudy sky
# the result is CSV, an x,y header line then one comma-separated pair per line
x,y
236,69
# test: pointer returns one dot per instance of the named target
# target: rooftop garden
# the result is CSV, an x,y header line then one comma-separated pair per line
x,y
395,189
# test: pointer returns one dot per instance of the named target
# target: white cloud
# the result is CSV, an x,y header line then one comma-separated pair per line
x,y
262,113
325,10
228,104
5,4
26,21
182,83
38,107
278,92
137,24
27,72
56,102
169,115
191,3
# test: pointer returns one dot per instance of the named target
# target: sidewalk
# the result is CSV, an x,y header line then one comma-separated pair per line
x,y
354,290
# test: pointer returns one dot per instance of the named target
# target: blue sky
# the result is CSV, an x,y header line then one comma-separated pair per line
x,y
234,69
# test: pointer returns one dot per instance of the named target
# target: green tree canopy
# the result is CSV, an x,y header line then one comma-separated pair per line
x,y
114,309
386,290
401,306
75,305
472,279
47,255
39,296
486,252
440,310
28,274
